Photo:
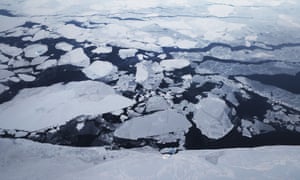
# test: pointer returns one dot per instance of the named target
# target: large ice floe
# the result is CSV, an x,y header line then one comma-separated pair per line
x,y
154,125
212,117
76,57
44,107
22,159
99,69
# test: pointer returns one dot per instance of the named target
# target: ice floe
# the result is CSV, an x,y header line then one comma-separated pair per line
x,y
212,117
47,64
99,69
64,46
23,159
54,105
35,50
173,64
76,57
156,124
39,60
10,50
102,49
126,53
156,103
4,74
26,77
141,73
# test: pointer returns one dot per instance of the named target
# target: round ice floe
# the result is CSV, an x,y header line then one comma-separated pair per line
x,y
35,50
10,50
98,69
160,123
211,117
64,46
172,64
76,57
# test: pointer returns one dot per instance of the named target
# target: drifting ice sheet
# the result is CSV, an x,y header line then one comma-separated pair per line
x,y
212,118
99,69
172,64
156,124
75,57
38,108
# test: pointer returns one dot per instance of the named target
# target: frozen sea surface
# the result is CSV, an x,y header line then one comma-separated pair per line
x,y
170,75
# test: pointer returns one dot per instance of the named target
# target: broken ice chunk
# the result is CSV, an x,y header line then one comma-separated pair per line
x,y
76,57
35,50
99,69
172,64
126,53
159,123
211,117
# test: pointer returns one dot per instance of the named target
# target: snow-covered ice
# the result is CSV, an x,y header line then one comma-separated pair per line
x,y
35,50
211,117
141,73
102,49
99,69
172,64
64,46
126,53
156,124
156,103
26,77
26,160
47,64
37,108
76,57
4,74
10,50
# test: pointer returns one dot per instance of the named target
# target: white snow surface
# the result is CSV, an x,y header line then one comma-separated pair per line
x,y
126,53
10,50
37,108
102,49
47,64
99,69
159,123
211,117
141,73
35,50
64,46
76,57
173,64
26,160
